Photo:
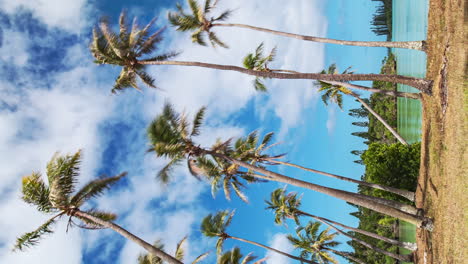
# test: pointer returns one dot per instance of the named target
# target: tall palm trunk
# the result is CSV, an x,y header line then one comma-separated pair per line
x,y
353,198
407,245
374,90
364,88
345,255
404,193
400,138
272,249
406,258
423,85
417,45
151,249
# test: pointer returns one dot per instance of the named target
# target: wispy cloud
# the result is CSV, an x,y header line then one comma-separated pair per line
x,y
281,243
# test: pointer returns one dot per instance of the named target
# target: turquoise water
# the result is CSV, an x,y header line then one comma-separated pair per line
x,y
409,23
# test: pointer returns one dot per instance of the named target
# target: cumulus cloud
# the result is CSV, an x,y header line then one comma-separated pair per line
x,y
68,111
64,14
280,242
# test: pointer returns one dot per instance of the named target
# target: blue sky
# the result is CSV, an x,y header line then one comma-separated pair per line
x,y
53,98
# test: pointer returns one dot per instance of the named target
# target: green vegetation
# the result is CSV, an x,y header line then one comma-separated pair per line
x,y
382,20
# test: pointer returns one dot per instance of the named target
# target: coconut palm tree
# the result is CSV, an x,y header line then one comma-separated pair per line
x,y
286,206
318,246
253,150
260,62
234,256
333,92
179,254
201,21
59,199
134,48
216,225
167,139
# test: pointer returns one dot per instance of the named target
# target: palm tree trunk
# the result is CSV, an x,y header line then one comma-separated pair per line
x,y
400,138
417,45
407,245
374,90
406,258
151,249
353,198
364,88
404,193
272,249
345,255
423,85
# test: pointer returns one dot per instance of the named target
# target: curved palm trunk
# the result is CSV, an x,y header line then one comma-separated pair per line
x,y
404,193
417,45
345,255
151,249
400,138
272,249
407,245
423,85
406,258
364,88
353,198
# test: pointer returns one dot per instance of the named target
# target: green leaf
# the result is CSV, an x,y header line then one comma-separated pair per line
x,y
94,189
62,172
198,121
32,238
36,192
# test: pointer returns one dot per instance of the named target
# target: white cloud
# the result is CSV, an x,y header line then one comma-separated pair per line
x,y
279,242
64,14
13,48
331,121
65,115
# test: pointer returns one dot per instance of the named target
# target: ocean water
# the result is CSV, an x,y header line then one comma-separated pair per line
x,y
410,19
410,23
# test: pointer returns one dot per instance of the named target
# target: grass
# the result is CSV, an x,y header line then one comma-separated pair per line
x,y
443,180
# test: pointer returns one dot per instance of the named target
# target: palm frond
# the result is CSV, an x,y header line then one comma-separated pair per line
x,y
224,16
36,192
165,173
215,41
198,37
62,173
200,257
94,189
106,216
259,85
198,121
179,253
32,238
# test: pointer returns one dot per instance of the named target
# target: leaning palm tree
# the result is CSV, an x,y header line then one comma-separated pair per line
x,y
216,225
134,48
59,199
333,92
260,62
317,246
252,149
286,206
166,136
179,254
201,21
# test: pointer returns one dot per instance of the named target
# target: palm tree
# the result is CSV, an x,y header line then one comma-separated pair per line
x,y
167,139
333,92
253,149
258,61
134,48
59,199
317,246
215,226
286,206
234,256
179,254
201,22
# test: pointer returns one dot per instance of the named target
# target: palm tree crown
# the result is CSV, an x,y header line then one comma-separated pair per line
x,y
314,245
234,256
199,21
284,205
333,92
59,198
179,254
215,226
126,48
